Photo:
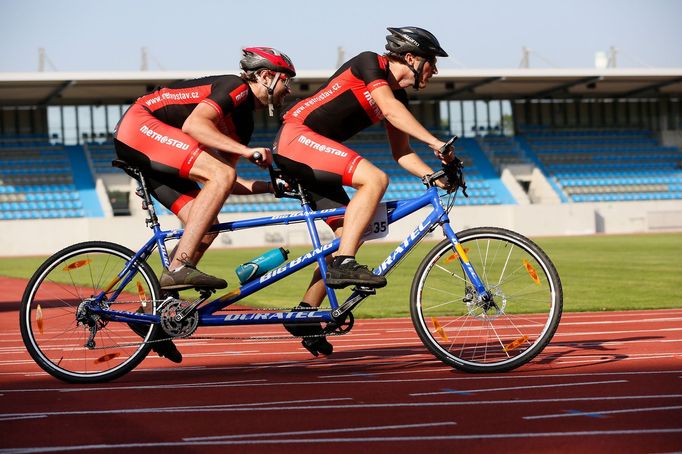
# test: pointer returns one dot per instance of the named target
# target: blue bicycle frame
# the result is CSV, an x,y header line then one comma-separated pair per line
x,y
396,210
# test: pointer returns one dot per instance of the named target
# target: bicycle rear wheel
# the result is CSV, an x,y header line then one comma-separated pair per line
x,y
477,336
48,315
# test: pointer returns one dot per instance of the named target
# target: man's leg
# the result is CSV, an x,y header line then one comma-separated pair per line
x,y
218,178
371,184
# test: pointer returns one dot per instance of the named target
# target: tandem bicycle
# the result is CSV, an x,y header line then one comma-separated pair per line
x,y
484,299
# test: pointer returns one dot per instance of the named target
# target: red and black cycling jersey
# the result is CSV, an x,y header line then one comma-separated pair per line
x,y
343,106
229,95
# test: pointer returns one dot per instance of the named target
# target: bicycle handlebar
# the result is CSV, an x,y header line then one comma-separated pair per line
x,y
452,170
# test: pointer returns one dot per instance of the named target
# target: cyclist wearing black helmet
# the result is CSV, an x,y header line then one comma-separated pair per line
x,y
365,90
194,132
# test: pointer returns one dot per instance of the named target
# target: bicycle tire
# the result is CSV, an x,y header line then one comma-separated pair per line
x,y
466,333
48,325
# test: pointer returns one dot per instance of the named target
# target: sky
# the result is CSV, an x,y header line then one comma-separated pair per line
x,y
206,35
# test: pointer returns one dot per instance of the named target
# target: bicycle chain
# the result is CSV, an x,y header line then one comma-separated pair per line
x,y
247,338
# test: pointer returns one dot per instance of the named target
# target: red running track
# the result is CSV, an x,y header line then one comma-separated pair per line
x,y
609,382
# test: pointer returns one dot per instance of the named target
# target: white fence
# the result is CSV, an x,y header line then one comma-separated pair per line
x,y
44,237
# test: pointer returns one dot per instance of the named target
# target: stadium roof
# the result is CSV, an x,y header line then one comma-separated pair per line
x,y
64,88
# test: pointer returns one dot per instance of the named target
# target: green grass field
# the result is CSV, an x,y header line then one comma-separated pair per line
x,y
598,273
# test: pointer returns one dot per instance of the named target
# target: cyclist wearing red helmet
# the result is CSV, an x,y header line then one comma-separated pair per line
x,y
194,132
363,91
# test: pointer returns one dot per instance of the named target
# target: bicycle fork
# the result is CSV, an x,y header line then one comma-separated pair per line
x,y
482,293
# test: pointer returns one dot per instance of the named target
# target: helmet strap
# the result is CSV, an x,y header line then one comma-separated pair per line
x,y
271,90
417,72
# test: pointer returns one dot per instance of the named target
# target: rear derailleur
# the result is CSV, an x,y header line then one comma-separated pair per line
x,y
86,317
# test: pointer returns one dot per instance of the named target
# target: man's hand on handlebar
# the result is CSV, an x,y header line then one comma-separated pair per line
x,y
260,156
446,154
445,184
450,178
444,150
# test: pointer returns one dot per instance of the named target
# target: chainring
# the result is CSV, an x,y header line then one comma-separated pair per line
x,y
340,327
176,325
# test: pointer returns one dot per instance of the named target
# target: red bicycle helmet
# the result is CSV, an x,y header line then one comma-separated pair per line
x,y
266,57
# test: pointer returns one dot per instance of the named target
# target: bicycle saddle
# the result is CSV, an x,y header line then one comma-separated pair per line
x,y
131,170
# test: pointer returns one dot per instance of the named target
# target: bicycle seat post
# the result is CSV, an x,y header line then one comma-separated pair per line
x,y
152,221
304,196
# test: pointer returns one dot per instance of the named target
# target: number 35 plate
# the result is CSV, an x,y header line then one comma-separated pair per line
x,y
378,226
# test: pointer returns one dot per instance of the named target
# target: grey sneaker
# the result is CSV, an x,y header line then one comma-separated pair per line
x,y
189,277
351,272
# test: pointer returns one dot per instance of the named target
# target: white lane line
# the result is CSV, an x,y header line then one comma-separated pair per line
x,y
611,359
395,372
398,360
613,352
604,412
308,408
188,409
615,322
587,344
16,362
140,387
599,322
601,333
333,430
512,388
22,418
343,382
210,354
634,313
322,441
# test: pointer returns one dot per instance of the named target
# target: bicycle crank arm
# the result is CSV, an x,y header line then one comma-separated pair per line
x,y
360,293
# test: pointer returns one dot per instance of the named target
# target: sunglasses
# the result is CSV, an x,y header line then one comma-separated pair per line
x,y
285,80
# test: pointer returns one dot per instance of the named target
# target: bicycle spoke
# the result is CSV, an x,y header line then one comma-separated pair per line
x,y
61,349
499,333
451,273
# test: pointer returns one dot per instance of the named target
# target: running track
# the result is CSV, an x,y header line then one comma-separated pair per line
x,y
609,382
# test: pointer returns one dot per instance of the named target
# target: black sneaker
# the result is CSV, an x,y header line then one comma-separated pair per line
x,y
350,272
189,277
165,349
314,345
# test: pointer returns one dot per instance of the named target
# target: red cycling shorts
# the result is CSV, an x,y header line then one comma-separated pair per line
x,y
166,147
300,143
164,153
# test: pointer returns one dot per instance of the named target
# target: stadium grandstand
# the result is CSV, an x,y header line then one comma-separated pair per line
x,y
551,151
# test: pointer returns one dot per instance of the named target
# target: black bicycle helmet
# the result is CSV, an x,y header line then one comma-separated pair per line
x,y
414,40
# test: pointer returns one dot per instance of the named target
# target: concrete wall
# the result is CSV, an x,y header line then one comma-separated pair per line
x,y
671,138
44,237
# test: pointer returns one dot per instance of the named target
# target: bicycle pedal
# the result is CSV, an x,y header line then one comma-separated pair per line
x,y
365,290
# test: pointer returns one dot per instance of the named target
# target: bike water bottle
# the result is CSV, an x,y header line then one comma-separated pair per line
x,y
261,265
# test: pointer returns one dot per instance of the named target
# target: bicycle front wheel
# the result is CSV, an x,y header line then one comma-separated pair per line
x,y
475,335
65,347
